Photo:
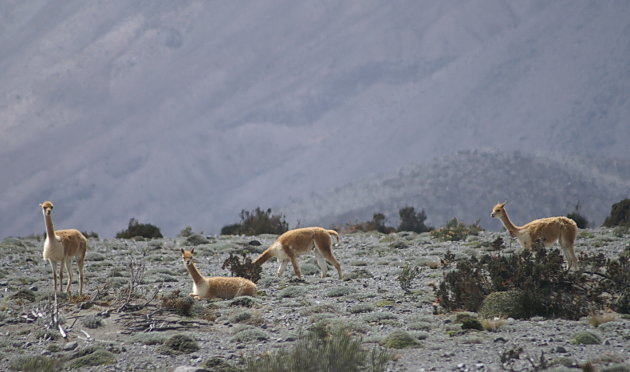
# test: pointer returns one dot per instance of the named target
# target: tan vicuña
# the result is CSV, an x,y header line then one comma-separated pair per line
x,y
545,230
297,242
61,246
224,287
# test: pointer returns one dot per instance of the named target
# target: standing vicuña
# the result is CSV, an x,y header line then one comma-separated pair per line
x,y
224,287
60,247
546,230
294,243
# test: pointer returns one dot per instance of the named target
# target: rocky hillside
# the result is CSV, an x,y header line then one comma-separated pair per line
x,y
466,185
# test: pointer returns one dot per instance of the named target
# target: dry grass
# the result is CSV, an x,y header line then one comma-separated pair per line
x,y
600,318
492,325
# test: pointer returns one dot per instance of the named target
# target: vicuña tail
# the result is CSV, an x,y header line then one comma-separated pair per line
x,y
333,233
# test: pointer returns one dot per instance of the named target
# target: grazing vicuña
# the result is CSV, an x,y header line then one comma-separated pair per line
x,y
297,242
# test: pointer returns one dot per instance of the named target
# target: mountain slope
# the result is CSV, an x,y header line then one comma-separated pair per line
x,y
468,184
185,113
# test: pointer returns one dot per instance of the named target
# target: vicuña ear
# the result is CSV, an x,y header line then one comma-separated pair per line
x,y
192,250
182,249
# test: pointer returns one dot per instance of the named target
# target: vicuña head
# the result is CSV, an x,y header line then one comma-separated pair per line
x,y
61,246
216,287
545,230
297,242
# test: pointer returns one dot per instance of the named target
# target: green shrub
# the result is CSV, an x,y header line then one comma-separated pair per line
x,y
400,340
291,292
178,344
91,357
250,335
619,214
312,353
245,269
134,229
585,338
505,304
36,363
257,222
412,221
195,240
340,291
91,321
455,231
406,276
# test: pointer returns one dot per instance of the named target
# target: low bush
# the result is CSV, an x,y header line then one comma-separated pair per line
x,y
179,344
137,229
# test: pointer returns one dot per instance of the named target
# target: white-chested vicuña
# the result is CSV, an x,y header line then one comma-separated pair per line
x,y
546,230
61,246
224,287
297,242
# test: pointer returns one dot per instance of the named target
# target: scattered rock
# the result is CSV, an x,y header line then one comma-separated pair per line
x,y
70,346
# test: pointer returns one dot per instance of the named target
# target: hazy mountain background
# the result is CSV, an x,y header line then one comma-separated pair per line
x,y
184,113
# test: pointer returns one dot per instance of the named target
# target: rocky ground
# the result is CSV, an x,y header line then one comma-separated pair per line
x,y
124,320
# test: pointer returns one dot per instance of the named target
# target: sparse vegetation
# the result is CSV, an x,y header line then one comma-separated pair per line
x,y
376,224
137,229
455,230
406,277
257,222
337,351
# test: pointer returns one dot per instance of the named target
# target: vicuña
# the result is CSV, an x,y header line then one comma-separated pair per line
x,y
224,287
294,243
61,246
545,230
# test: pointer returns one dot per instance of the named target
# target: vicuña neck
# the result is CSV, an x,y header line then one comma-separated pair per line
x,y
196,276
512,228
50,230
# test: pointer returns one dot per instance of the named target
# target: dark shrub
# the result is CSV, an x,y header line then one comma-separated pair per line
x,y
245,269
257,222
412,221
546,288
580,220
619,214
144,230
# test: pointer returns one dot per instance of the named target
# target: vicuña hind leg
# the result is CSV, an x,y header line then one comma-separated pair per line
x,y
68,265
321,262
328,255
